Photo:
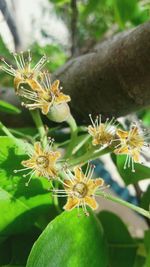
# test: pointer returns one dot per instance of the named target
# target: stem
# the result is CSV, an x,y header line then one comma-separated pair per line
x,y
6,131
39,124
124,203
74,130
90,155
55,200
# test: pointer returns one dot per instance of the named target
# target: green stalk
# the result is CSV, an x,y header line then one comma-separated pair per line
x,y
39,124
90,155
6,130
74,130
124,203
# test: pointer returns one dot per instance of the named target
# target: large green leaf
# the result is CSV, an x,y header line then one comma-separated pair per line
x,y
147,246
70,241
21,207
141,172
122,248
8,108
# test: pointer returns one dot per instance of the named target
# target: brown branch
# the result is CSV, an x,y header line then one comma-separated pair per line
x,y
114,79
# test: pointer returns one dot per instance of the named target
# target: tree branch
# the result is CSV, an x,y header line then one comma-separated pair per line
x,y
114,79
10,22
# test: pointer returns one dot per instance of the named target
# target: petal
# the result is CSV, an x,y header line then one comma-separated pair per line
x,y
71,203
34,84
62,98
95,142
136,156
55,87
79,175
38,148
68,184
30,163
17,82
91,202
51,170
122,134
93,184
122,150
53,156
45,108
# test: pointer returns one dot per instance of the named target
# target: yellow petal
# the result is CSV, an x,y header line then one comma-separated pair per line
x,y
71,203
68,184
55,87
136,156
93,184
122,134
91,202
35,86
51,170
95,142
122,150
17,82
53,156
37,148
62,98
79,175
30,163
45,108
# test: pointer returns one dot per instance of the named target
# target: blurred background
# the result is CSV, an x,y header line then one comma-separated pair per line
x,y
67,28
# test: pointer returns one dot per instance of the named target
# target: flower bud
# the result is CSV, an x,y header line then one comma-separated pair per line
x,y
59,112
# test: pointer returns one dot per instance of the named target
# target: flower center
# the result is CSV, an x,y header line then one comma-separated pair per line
x,y
80,190
42,162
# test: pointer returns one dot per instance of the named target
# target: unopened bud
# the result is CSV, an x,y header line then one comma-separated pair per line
x,y
59,112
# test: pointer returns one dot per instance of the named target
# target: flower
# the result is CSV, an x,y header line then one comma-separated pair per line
x,y
80,189
131,144
42,162
102,133
47,95
24,72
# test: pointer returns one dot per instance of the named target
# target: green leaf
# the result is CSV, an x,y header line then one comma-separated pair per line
x,y
145,200
141,172
125,10
147,246
21,206
139,261
147,240
122,248
147,263
8,108
70,241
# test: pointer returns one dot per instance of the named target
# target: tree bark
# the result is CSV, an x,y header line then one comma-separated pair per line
x,y
113,79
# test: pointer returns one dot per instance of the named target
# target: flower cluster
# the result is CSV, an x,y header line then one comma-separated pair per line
x,y
80,188
33,84
130,143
